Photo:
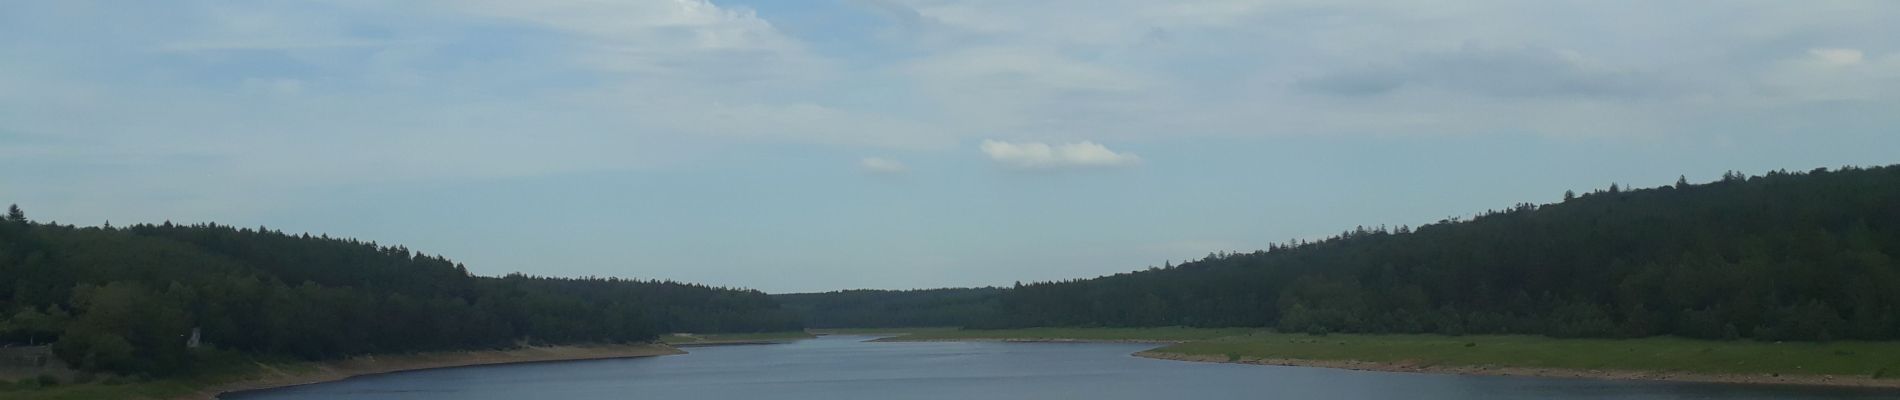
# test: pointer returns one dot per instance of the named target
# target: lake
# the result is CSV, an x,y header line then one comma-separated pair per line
x,y
846,367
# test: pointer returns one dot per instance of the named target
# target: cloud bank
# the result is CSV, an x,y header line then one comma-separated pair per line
x,y
274,96
1036,155
882,165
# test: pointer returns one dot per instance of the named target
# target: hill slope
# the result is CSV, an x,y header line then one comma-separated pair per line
x,y
893,308
1794,256
126,299
1804,256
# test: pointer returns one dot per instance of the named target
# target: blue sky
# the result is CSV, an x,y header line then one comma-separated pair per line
x,y
817,145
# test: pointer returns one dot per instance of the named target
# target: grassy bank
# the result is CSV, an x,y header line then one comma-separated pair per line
x,y
237,373
1662,355
1156,335
1846,363
703,339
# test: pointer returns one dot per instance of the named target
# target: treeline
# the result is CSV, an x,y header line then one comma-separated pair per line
x,y
128,299
1782,256
1795,256
894,308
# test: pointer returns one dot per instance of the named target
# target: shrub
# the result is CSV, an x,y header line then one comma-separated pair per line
x,y
84,377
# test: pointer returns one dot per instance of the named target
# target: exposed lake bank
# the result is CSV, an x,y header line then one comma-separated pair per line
x,y
230,373
275,377
732,339
1844,364
849,367
245,375
1163,335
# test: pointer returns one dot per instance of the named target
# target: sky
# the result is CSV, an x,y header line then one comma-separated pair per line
x,y
813,145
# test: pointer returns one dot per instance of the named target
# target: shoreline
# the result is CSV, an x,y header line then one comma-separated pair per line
x,y
274,377
1833,381
683,340
729,343
901,339
1486,370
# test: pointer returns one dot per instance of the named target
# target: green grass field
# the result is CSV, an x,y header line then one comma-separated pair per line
x,y
715,338
1102,334
1867,359
1658,354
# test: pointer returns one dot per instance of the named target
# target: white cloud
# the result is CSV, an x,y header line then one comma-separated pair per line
x,y
1036,155
1835,56
882,165
1828,75
682,38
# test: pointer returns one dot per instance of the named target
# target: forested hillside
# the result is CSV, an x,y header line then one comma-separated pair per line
x,y
894,308
1784,256
126,299
1804,256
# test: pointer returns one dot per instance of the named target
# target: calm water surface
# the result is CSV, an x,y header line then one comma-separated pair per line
x,y
844,367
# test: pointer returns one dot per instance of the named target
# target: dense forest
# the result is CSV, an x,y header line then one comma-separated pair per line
x,y
1783,256
894,308
127,299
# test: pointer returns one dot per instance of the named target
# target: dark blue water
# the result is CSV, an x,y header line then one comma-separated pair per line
x,y
844,367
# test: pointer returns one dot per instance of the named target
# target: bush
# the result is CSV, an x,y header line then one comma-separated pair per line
x,y
48,381
84,377
92,350
1452,329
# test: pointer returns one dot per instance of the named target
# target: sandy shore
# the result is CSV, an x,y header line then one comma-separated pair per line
x,y
337,370
1771,379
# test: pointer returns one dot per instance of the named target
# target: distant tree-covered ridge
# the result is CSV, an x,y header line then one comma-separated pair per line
x,y
1783,256
894,308
1804,256
127,299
